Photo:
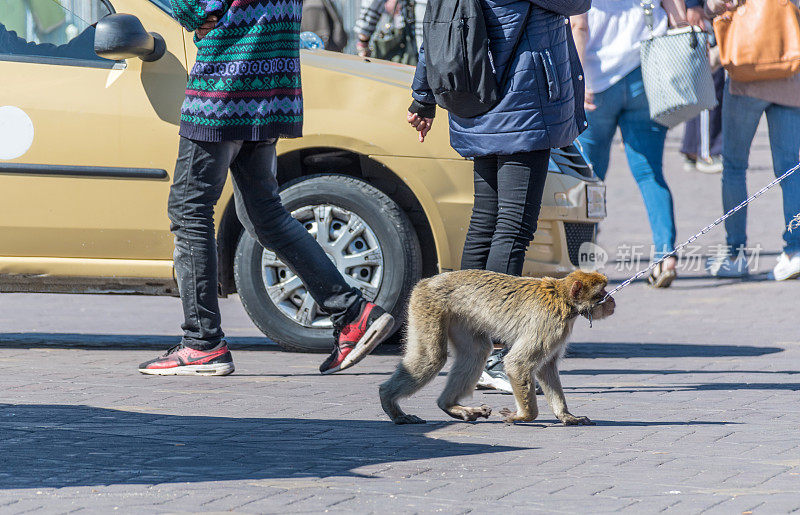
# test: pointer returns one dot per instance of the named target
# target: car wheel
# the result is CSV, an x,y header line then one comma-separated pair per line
x,y
387,265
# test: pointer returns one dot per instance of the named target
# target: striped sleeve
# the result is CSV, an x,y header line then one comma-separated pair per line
x,y
192,13
371,11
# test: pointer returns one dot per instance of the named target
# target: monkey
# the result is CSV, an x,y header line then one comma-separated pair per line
x,y
470,308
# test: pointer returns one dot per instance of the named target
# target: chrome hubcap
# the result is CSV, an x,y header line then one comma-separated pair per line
x,y
349,243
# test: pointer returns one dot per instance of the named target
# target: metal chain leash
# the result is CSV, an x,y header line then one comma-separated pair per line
x,y
702,232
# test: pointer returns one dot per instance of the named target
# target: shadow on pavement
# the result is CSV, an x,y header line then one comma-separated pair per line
x,y
706,283
640,423
545,422
575,349
616,275
139,342
710,282
117,341
62,445
627,371
663,350
688,387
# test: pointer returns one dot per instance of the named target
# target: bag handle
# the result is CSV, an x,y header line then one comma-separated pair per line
x,y
502,82
649,8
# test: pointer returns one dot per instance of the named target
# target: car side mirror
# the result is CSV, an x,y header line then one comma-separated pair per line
x,y
122,36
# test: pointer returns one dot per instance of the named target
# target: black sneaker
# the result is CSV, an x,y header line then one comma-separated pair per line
x,y
358,338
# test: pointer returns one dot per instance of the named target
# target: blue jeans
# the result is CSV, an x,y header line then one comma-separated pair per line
x,y
624,105
740,117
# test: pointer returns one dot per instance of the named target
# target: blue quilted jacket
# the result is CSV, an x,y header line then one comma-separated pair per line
x,y
542,106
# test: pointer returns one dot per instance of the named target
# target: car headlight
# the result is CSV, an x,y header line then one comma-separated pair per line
x,y
596,200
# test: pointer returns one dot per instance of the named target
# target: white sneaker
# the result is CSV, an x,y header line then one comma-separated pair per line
x,y
724,266
494,382
711,165
788,267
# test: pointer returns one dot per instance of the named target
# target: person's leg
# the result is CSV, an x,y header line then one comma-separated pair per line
x,y
484,215
709,158
359,325
508,196
784,142
197,184
520,184
644,147
690,145
715,115
199,177
740,117
477,245
259,208
596,139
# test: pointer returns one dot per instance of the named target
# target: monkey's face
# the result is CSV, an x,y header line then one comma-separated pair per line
x,y
586,290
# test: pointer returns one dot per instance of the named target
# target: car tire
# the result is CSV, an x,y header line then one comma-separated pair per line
x,y
390,230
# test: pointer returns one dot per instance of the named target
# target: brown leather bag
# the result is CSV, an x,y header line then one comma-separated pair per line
x,y
760,40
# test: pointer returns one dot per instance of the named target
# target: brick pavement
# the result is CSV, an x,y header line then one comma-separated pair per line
x,y
694,391
79,428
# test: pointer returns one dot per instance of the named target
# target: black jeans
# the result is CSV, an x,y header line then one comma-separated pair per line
x,y
508,197
200,175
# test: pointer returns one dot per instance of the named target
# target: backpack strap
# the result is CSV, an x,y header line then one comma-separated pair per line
x,y
502,82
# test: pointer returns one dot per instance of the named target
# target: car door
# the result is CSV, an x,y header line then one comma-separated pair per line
x,y
87,145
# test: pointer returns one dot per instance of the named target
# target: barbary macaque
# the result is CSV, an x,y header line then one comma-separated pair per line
x,y
471,308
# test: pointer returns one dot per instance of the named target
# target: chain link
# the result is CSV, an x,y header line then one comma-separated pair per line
x,y
707,228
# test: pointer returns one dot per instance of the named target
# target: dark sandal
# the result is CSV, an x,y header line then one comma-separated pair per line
x,y
661,277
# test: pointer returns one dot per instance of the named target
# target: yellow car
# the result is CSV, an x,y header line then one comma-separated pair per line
x,y
88,145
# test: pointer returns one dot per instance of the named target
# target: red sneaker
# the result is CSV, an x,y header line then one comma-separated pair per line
x,y
358,338
183,361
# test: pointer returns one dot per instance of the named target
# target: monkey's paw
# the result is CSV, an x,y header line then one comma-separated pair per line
x,y
482,411
408,419
469,414
571,420
511,416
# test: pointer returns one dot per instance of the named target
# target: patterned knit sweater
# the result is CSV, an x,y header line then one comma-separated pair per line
x,y
245,84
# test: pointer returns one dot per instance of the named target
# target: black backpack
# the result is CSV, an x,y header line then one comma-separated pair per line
x,y
459,66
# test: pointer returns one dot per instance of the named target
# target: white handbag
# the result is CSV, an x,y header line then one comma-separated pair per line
x,y
676,72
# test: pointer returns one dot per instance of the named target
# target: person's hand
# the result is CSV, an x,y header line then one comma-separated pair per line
x,y
696,16
207,26
720,6
423,125
588,101
362,49
362,46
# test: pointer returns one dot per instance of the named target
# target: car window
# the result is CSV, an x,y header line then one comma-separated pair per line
x,y
57,31
164,6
